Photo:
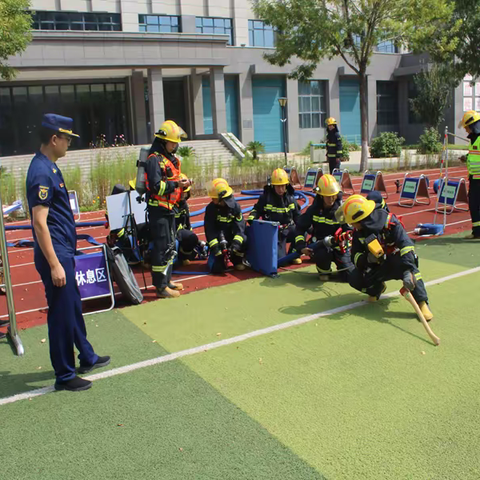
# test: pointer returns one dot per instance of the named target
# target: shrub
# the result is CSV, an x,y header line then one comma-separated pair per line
x,y
255,148
186,152
429,142
348,147
387,144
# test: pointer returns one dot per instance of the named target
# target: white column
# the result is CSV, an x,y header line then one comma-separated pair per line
x,y
219,110
155,95
246,107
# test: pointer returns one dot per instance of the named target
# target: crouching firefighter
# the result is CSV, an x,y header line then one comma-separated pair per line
x,y
224,228
164,190
187,240
381,251
278,204
333,235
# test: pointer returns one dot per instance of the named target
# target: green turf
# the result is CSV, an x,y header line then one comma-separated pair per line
x,y
364,394
110,334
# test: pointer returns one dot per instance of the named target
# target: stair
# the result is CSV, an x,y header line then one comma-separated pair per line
x,y
210,151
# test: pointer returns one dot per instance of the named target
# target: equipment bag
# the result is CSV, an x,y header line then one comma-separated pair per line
x,y
123,276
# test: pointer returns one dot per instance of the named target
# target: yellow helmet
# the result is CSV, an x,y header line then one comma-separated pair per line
x,y
355,209
182,176
327,186
330,121
280,177
219,188
171,132
468,118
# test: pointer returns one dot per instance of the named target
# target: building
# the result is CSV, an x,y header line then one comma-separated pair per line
x,y
123,66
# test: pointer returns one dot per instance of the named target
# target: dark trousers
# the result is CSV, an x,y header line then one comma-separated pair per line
x,y
285,235
474,205
163,250
66,326
333,163
324,257
217,263
392,269
187,241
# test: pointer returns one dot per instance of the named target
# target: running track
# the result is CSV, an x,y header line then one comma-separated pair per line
x,y
28,290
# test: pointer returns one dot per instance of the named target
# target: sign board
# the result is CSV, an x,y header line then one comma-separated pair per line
x,y
344,180
451,192
373,181
414,188
311,179
123,204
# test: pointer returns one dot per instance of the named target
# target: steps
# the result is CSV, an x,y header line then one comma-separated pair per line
x,y
210,151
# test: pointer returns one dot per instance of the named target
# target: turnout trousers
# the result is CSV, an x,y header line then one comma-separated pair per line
x,y
324,257
474,205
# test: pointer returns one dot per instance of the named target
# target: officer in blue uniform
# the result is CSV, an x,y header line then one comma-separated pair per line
x,y
55,244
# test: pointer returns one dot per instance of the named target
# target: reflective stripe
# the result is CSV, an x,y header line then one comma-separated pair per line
x,y
238,238
328,221
121,233
299,238
159,268
357,256
331,144
473,159
239,218
185,252
271,208
224,219
213,242
476,224
339,151
157,203
418,276
405,250
323,272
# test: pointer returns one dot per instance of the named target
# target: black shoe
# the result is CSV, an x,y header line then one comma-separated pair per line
x,y
101,362
76,384
3,323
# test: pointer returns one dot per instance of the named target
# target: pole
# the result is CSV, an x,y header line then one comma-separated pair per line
x,y
12,328
284,121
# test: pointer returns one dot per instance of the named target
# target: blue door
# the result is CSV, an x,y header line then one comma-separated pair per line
x,y
267,112
231,104
350,126
207,106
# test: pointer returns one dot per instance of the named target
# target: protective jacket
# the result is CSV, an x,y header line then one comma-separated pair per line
x,y
334,144
473,157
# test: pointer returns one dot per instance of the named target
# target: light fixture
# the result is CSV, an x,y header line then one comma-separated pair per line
x,y
283,101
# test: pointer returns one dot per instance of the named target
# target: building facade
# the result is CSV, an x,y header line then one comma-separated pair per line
x,y
120,67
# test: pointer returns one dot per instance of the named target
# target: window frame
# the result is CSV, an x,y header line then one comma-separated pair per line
x,y
392,111
171,27
253,28
200,26
307,114
42,18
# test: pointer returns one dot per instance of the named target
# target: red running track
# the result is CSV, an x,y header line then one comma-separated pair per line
x,y
30,302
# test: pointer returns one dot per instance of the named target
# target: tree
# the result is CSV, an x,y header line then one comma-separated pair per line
x,y
434,90
15,32
316,29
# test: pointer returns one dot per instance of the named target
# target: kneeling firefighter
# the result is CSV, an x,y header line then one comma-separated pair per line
x,y
224,228
333,234
164,190
188,242
381,251
278,204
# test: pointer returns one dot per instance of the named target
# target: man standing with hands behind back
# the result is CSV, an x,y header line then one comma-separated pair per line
x,y
55,244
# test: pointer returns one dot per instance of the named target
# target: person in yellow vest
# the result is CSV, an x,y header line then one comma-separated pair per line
x,y
334,144
164,191
471,123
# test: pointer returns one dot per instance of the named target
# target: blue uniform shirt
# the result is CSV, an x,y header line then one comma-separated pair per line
x,y
45,186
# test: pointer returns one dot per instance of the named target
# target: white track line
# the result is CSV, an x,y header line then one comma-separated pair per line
x,y
221,343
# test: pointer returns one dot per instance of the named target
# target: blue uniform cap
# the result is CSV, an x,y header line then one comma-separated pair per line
x,y
59,124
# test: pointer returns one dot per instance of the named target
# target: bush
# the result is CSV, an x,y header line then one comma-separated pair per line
x,y
387,144
186,152
348,147
255,148
430,142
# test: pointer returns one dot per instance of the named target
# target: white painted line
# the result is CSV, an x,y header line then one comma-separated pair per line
x,y
228,341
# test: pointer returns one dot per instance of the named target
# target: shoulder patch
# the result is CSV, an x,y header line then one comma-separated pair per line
x,y
54,170
42,192
62,185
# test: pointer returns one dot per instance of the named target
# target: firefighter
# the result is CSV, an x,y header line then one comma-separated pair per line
x,y
471,123
334,144
381,251
164,191
321,217
278,204
224,228
187,239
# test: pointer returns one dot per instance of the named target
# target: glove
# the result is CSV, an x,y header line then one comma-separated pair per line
x,y
216,250
409,281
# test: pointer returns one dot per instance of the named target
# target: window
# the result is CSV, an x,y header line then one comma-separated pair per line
x,y
159,23
260,35
387,103
387,47
216,26
103,22
412,94
312,103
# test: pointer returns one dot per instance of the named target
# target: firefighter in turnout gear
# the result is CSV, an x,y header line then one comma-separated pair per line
x,y
164,191
334,144
187,239
321,217
278,204
224,228
471,123
381,251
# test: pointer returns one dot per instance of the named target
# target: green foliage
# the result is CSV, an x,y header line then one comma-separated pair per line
x,y
387,144
186,151
348,147
430,142
434,90
255,148
15,34
306,151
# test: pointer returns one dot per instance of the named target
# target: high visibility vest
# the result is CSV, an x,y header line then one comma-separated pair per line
x,y
473,159
165,201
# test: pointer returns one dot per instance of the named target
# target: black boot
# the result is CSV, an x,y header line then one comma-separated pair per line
x,y
101,362
76,384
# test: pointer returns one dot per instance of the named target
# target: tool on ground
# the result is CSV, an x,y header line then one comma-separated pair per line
x,y
408,295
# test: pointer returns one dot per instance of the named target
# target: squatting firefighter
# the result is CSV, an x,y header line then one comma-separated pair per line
x,y
381,251
334,144
164,190
278,204
187,239
471,123
321,217
224,227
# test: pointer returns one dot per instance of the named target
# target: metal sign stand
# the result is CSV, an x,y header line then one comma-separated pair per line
x,y
312,177
373,181
344,180
414,188
12,328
